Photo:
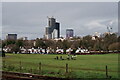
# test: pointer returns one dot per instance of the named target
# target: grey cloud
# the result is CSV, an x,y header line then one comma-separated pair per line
x,y
31,17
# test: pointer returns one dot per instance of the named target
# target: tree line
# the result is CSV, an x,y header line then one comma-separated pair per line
x,y
109,42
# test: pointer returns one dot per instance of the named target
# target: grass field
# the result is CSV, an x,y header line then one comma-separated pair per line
x,y
85,66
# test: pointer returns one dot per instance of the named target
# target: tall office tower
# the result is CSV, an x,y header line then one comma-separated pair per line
x,y
69,33
53,29
11,37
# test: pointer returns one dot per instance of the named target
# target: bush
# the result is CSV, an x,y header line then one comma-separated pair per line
x,y
10,68
60,73
71,74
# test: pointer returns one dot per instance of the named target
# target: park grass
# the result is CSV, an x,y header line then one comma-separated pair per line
x,y
85,66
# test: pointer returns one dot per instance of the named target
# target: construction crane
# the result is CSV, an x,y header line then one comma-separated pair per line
x,y
109,28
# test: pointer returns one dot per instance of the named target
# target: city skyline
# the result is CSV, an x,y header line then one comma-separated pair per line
x,y
29,19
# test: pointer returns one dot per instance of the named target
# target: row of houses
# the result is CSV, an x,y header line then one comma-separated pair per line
x,y
47,51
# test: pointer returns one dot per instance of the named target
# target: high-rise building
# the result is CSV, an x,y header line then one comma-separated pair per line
x,y
11,37
52,31
69,33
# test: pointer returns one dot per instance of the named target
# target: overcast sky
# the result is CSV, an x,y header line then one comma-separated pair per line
x,y
30,18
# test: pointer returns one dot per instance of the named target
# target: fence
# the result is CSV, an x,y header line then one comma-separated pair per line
x,y
67,69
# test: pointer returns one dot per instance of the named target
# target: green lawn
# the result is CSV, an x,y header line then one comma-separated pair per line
x,y
85,66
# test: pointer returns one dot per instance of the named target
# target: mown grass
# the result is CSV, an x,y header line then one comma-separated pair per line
x,y
85,66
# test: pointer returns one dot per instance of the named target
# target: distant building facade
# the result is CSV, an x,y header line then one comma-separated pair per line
x,y
11,37
69,33
23,38
52,31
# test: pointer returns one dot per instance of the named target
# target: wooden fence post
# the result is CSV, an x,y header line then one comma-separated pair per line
x,y
3,63
66,68
31,70
106,71
20,66
40,67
